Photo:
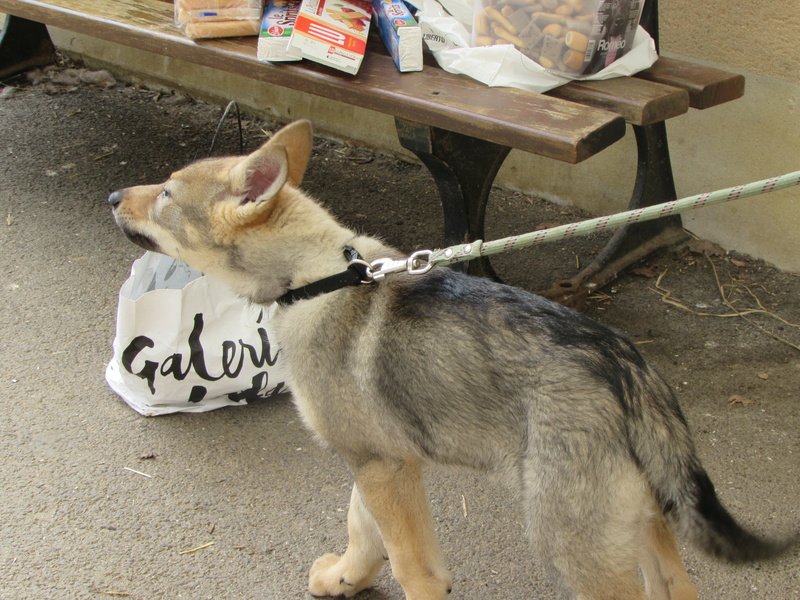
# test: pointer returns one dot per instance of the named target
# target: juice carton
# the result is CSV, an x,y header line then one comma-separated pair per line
x,y
276,31
333,32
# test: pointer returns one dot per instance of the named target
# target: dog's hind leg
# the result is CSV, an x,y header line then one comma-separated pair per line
x,y
357,569
587,517
394,494
664,575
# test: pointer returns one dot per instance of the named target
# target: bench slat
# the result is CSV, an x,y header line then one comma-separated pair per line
x,y
641,102
707,86
543,125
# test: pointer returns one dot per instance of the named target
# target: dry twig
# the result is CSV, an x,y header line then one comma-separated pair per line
x,y
726,290
193,550
137,472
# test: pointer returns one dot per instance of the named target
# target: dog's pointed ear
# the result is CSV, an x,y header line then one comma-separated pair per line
x,y
260,175
298,138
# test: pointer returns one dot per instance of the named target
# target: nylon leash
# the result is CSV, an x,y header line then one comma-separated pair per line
x,y
360,272
469,251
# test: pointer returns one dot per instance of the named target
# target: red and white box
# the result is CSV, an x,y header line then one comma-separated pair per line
x,y
333,32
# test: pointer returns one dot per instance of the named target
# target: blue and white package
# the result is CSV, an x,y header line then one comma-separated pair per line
x,y
400,32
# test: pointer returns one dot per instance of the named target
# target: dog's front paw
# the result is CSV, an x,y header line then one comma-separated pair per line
x,y
331,575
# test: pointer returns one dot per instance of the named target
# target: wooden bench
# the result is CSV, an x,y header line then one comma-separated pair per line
x,y
459,128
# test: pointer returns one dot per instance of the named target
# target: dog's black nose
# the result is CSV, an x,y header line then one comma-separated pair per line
x,y
115,198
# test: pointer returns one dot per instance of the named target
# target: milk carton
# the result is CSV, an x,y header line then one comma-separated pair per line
x,y
276,31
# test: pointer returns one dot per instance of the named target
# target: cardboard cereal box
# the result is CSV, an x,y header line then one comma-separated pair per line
x,y
333,32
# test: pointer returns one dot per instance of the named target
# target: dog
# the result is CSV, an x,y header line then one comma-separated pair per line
x,y
446,368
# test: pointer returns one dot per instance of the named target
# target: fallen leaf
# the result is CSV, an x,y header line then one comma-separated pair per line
x,y
648,272
763,375
737,400
706,247
740,263
100,78
357,155
67,77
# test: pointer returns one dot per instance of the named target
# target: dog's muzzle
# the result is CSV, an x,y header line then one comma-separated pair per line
x,y
115,199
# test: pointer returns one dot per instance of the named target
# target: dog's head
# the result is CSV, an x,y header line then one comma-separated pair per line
x,y
207,212
208,203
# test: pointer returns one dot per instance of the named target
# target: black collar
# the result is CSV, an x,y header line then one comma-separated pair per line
x,y
357,272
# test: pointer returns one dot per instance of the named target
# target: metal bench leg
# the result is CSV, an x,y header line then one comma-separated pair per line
x,y
463,168
654,185
23,45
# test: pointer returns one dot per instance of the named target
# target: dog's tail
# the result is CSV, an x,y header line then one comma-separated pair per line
x,y
663,446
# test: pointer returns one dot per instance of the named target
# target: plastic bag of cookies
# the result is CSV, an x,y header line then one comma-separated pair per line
x,y
536,45
575,37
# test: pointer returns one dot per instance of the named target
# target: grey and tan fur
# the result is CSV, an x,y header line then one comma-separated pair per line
x,y
456,370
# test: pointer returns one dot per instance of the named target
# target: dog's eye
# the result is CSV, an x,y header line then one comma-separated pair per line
x,y
165,194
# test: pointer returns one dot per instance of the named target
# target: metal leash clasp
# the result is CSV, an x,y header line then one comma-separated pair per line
x,y
416,264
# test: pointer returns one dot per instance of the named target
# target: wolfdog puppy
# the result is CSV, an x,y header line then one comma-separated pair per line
x,y
450,369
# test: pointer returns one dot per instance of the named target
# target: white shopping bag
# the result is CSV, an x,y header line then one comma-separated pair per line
x,y
447,30
186,343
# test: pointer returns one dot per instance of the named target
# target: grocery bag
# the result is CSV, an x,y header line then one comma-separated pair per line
x,y
187,343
